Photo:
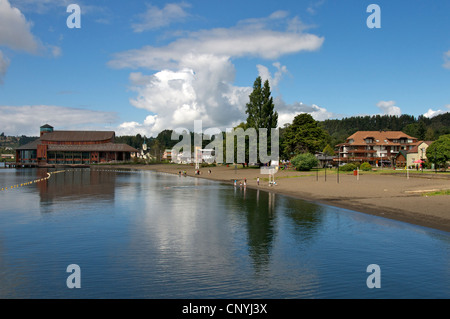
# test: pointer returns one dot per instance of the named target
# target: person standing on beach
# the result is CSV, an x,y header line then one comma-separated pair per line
x,y
257,180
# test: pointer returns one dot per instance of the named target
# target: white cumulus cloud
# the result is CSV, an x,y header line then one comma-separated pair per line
x,y
265,74
15,34
177,98
389,108
15,29
432,113
287,112
194,78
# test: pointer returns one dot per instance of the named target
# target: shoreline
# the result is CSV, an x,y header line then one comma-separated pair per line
x,y
389,195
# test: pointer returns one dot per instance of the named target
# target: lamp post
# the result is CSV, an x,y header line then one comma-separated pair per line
x,y
435,151
339,162
421,160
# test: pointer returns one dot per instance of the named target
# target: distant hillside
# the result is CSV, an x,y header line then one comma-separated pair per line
x,y
15,141
422,127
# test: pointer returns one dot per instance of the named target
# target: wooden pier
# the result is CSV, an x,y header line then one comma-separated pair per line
x,y
34,165
19,165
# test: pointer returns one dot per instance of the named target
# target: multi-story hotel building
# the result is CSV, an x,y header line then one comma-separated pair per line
x,y
375,147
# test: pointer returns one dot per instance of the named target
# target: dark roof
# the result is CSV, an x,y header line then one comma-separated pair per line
x,y
78,136
46,126
106,147
415,149
401,152
30,146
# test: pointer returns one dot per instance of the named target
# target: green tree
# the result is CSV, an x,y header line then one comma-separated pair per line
x,y
328,150
421,130
365,167
304,135
304,162
429,135
260,110
439,151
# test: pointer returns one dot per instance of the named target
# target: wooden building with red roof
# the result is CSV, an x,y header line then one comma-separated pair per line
x,y
375,147
73,147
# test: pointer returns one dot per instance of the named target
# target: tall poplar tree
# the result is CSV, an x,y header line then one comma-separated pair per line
x,y
261,109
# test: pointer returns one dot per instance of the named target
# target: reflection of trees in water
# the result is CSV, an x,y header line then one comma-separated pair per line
x,y
259,210
306,218
251,208
260,224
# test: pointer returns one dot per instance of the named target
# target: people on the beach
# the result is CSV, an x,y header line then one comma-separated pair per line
x,y
257,180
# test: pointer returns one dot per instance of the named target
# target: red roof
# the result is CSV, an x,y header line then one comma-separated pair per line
x,y
415,149
379,137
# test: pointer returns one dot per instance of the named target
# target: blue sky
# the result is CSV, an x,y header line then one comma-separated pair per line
x,y
141,67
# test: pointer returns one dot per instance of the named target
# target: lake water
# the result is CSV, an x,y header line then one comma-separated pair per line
x,y
142,234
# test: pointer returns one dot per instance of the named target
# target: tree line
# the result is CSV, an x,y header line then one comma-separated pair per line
x,y
423,128
303,135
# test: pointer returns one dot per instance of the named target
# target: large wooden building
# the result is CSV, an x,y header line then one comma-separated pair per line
x,y
73,147
375,147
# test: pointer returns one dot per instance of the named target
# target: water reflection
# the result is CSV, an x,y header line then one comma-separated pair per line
x,y
152,235
306,218
259,212
80,184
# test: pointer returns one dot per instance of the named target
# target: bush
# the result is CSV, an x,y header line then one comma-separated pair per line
x,y
304,162
365,166
348,167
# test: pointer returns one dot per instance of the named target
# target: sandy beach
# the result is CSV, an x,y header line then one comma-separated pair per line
x,y
391,196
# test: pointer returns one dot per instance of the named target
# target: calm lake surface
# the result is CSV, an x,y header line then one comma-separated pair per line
x,y
142,234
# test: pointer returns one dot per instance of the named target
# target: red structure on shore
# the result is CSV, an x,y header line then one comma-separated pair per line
x,y
72,147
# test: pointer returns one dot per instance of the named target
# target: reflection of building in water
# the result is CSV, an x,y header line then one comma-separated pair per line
x,y
271,203
73,147
83,184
